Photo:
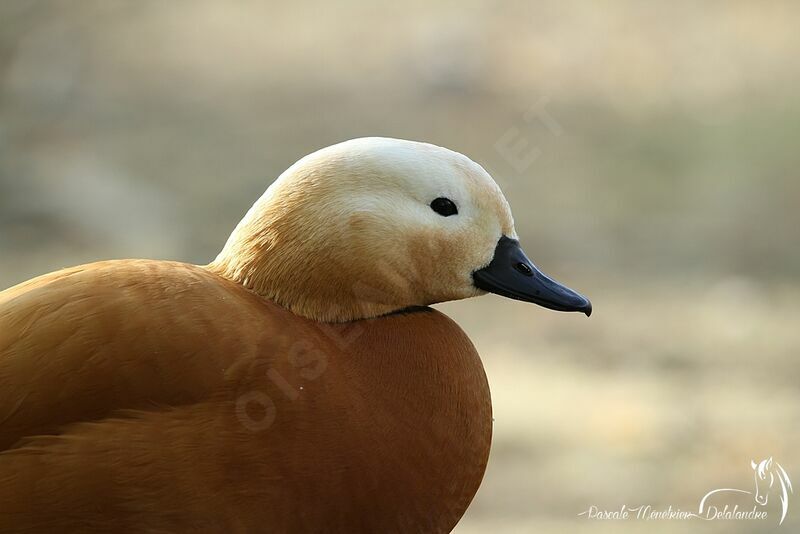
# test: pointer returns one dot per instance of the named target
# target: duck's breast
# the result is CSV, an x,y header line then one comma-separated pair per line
x,y
395,418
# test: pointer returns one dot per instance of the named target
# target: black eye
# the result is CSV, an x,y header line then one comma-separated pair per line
x,y
444,207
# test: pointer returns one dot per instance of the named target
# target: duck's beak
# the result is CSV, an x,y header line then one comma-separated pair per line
x,y
511,274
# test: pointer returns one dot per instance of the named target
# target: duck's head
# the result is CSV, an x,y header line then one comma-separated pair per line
x,y
374,225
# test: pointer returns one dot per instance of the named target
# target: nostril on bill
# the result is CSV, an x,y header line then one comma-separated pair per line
x,y
524,268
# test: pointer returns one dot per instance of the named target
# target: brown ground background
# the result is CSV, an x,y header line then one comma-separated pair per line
x,y
656,172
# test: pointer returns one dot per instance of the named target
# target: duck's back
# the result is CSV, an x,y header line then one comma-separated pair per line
x,y
155,396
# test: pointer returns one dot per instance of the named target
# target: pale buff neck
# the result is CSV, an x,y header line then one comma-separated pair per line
x,y
305,272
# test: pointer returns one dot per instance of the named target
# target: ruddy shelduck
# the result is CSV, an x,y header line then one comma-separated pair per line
x,y
299,383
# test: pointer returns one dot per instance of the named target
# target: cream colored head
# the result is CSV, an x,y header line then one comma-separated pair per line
x,y
348,232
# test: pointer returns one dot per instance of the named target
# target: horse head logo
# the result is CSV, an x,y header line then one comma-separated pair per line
x,y
769,477
766,473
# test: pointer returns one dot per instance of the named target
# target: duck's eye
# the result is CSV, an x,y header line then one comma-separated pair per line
x,y
444,207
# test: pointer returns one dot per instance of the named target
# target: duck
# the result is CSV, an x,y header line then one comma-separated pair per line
x,y
301,382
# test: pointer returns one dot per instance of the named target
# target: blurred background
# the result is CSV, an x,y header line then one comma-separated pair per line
x,y
649,151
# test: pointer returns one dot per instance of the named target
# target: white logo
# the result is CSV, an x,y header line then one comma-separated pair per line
x,y
770,477
766,473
